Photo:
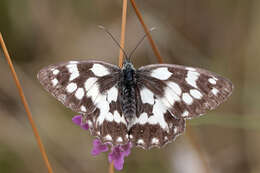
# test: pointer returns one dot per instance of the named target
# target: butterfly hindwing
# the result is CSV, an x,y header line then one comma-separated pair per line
x,y
109,125
154,125
186,91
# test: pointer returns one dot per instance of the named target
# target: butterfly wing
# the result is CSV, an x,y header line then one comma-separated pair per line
x,y
108,123
154,125
169,94
77,84
89,88
186,91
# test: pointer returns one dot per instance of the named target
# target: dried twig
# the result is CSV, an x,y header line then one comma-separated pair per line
x,y
196,146
111,168
122,42
146,30
26,106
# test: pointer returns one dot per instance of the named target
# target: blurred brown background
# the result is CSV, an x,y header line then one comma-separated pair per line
x,y
219,35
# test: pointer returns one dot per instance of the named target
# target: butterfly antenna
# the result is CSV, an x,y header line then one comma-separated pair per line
x,y
139,43
113,38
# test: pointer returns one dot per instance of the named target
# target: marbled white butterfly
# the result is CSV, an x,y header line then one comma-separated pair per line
x,y
147,106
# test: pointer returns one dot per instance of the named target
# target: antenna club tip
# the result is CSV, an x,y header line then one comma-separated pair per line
x,y
101,27
153,28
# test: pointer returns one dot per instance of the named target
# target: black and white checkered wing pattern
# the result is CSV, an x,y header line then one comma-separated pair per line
x,y
78,84
89,88
187,92
169,94
154,125
109,126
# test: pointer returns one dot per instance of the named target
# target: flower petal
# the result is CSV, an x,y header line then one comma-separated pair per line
x,y
77,119
126,149
118,164
98,147
117,155
84,126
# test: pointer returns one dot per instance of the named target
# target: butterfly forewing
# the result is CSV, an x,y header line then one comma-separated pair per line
x,y
77,84
185,91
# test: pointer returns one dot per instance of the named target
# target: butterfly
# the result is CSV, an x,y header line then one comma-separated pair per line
x,y
147,106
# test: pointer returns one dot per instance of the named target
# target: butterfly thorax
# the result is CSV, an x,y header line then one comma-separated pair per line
x,y
128,96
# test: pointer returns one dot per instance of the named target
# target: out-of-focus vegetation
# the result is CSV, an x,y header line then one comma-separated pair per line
x,y
219,35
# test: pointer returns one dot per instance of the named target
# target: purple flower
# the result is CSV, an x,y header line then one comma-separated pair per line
x,y
118,154
77,119
126,148
98,147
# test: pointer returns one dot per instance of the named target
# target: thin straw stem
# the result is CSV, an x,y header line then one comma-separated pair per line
x,y
160,60
29,115
196,146
111,167
146,30
123,25
121,53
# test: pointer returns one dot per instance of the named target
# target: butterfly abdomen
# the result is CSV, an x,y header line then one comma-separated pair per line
x,y
128,103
